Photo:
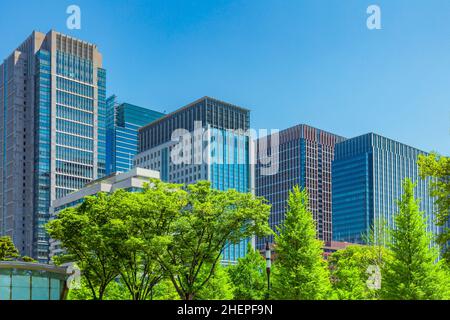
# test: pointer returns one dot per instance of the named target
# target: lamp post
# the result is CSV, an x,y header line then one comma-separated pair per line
x,y
268,266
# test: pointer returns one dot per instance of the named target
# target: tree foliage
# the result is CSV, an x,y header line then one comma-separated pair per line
x,y
249,276
209,221
349,271
7,249
219,286
438,169
162,232
81,231
300,271
115,290
140,231
413,273
164,290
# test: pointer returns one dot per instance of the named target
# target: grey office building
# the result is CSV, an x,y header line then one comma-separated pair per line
x,y
52,132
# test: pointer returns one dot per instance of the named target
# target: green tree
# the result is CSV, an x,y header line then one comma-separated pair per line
x,y
249,276
349,271
413,273
163,231
300,271
81,232
209,221
120,234
115,290
27,259
438,169
133,255
7,249
164,290
219,286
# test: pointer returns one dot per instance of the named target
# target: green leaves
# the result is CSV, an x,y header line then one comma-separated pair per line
x,y
437,170
249,276
83,232
166,242
413,272
209,220
300,272
7,249
162,232
349,270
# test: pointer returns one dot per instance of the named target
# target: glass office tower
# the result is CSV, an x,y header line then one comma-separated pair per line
x,y
226,164
303,158
367,182
52,128
123,122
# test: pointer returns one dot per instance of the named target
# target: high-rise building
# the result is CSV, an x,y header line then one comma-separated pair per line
x,y
217,148
52,131
303,157
122,123
367,182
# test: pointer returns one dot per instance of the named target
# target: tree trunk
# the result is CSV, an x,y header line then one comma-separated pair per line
x,y
189,296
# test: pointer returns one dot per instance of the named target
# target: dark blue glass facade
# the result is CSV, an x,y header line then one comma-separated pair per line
x,y
367,182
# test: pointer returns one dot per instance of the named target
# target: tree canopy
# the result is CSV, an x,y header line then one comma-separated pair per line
x,y
413,272
438,169
163,232
209,221
7,249
249,276
300,271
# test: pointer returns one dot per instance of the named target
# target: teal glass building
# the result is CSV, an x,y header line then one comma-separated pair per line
x,y
226,163
53,132
367,182
32,281
123,122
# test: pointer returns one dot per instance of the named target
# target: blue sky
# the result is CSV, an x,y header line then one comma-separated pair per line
x,y
289,61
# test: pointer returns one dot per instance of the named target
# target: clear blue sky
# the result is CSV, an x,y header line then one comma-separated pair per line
x,y
290,62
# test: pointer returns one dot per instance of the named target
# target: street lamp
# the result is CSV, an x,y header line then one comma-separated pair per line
x,y
268,266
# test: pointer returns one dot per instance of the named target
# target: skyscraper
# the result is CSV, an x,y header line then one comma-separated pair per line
x,y
303,157
52,131
122,123
225,163
367,182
